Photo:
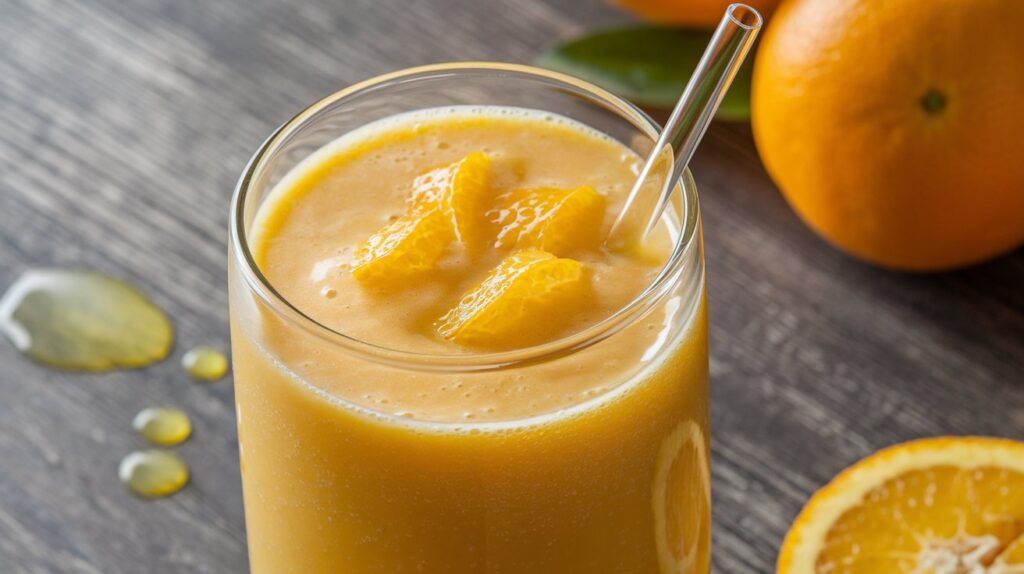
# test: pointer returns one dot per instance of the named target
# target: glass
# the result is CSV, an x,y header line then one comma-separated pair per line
x,y
617,483
691,117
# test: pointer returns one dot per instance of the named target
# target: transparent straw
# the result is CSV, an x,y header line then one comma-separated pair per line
x,y
686,126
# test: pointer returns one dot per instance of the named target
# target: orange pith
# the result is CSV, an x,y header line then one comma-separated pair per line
x,y
502,311
934,506
549,218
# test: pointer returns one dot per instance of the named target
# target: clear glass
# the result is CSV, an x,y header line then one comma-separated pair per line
x,y
616,483
691,117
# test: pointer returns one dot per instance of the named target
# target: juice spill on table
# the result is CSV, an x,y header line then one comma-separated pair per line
x,y
153,473
205,364
165,426
595,461
82,320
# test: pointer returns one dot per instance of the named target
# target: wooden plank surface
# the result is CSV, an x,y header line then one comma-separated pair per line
x,y
124,128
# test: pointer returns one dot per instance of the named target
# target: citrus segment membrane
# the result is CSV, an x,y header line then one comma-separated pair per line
x,y
553,219
404,248
528,296
460,191
444,204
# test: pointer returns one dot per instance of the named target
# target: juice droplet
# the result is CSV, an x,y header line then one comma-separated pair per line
x,y
153,473
82,320
166,426
205,363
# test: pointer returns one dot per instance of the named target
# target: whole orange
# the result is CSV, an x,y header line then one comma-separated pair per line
x,y
704,13
895,128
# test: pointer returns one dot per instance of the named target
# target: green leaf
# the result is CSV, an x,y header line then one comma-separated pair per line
x,y
648,65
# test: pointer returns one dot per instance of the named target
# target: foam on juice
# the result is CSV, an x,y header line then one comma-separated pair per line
x,y
306,253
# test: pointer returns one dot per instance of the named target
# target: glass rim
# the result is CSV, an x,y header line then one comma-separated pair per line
x,y
260,285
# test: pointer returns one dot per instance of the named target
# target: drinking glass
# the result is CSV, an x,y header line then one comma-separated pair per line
x,y
618,482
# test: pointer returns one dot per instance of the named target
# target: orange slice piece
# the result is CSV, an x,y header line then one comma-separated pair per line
x,y
530,295
461,191
933,506
402,249
550,218
682,501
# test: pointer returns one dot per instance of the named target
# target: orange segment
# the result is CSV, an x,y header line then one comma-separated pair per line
x,y
550,218
528,296
402,249
934,506
459,190
1011,559
445,203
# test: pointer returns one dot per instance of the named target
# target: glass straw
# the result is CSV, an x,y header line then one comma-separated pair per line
x,y
686,126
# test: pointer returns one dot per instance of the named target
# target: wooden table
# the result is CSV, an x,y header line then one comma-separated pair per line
x,y
124,128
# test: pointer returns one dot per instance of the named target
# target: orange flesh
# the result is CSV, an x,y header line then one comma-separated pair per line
x,y
926,516
509,304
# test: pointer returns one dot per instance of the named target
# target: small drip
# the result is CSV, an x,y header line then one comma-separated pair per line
x,y
205,364
153,473
165,426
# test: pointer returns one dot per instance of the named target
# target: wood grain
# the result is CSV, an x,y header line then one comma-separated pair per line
x,y
125,125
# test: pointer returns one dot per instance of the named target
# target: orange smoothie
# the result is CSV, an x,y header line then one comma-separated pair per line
x,y
419,404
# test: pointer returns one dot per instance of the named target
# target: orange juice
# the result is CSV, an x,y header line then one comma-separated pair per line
x,y
373,438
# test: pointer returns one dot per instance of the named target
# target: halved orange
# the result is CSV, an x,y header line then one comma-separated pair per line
x,y
402,249
549,218
461,191
952,505
528,296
